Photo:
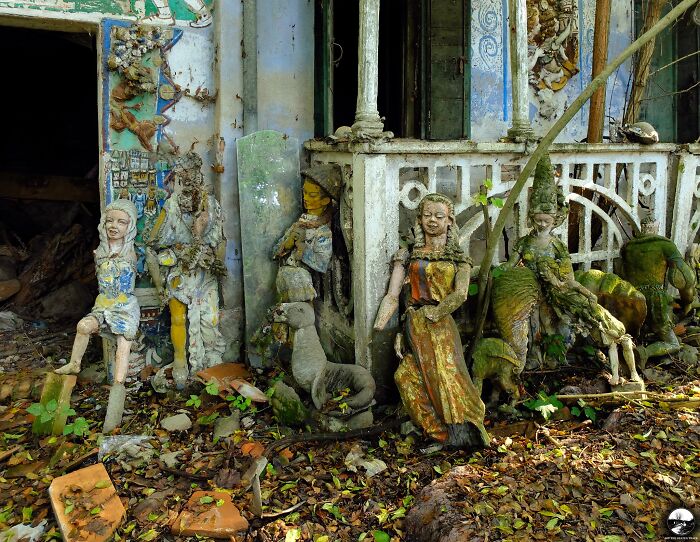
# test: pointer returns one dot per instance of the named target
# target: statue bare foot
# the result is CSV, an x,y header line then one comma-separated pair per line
x,y
71,368
180,376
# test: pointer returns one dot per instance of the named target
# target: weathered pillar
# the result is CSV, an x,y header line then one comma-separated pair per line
x,y
520,129
375,240
367,120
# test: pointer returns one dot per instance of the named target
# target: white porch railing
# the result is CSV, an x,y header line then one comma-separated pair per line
x,y
618,184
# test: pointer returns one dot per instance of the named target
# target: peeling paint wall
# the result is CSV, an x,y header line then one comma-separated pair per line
x,y
491,100
180,9
205,63
286,67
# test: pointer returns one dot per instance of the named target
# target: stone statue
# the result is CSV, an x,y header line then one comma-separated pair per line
x,y
307,245
650,262
116,311
567,303
304,251
320,378
188,241
432,377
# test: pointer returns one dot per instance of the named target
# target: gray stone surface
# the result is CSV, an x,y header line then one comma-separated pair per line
x,y
270,201
179,422
227,426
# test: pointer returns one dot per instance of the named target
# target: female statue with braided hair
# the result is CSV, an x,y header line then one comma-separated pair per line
x,y
432,377
116,311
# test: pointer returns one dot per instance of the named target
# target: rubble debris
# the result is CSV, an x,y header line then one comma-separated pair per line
x,y
9,321
23,533
356,458
223,374
86,505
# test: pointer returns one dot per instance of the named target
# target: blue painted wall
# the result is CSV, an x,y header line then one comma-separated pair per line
x,y
491,91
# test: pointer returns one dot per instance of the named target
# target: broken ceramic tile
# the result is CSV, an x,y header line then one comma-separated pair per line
x,y
86,505
223,374
209,513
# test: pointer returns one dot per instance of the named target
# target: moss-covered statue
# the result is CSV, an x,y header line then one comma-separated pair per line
x,y
547,275
187,241
116,311
651,262
432,378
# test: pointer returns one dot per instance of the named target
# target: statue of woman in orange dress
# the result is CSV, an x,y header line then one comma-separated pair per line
x,y
432,378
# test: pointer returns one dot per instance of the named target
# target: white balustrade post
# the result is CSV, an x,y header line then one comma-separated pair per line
x,y
520,129
367,120
375,240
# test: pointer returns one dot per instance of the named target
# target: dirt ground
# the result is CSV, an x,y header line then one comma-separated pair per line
x,y
609,472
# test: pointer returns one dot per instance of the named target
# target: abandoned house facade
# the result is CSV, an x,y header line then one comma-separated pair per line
x,y
430,89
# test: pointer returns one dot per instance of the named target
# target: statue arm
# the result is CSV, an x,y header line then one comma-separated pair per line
x,y
152,263
390,302
516,256
155,231
153,266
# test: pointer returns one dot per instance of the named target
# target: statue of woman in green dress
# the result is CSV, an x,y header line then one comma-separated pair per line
x,y
432,378
549,262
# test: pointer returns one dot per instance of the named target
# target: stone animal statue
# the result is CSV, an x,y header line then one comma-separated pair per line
x,y
311,369
623,300
496,361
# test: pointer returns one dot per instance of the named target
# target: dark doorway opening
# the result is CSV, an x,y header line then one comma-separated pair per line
x,y
49,174
340,52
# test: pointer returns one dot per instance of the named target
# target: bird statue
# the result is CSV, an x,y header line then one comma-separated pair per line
x,y
640,132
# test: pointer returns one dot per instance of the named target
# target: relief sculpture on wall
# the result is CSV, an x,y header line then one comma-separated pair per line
x,y
553,49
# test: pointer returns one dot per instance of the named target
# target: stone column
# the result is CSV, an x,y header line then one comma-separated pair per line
x,y
367,120
520,129
375,240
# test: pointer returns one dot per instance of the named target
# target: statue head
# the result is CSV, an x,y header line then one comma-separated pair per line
x,y
188,174
546,197
436,216
649,226
118,222
322,184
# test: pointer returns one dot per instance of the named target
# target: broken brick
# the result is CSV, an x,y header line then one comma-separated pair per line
x,y
209,513
86,505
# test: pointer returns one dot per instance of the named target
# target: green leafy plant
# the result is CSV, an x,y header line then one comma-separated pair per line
x,y
79,427
194,401
554,347
48,412
584,410
212,388
544,404
482,198
241,403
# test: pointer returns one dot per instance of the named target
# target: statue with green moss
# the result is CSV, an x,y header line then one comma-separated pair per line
x,y
651,262
546,281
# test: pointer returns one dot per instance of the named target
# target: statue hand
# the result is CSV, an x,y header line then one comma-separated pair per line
x,y
432,313
398,345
